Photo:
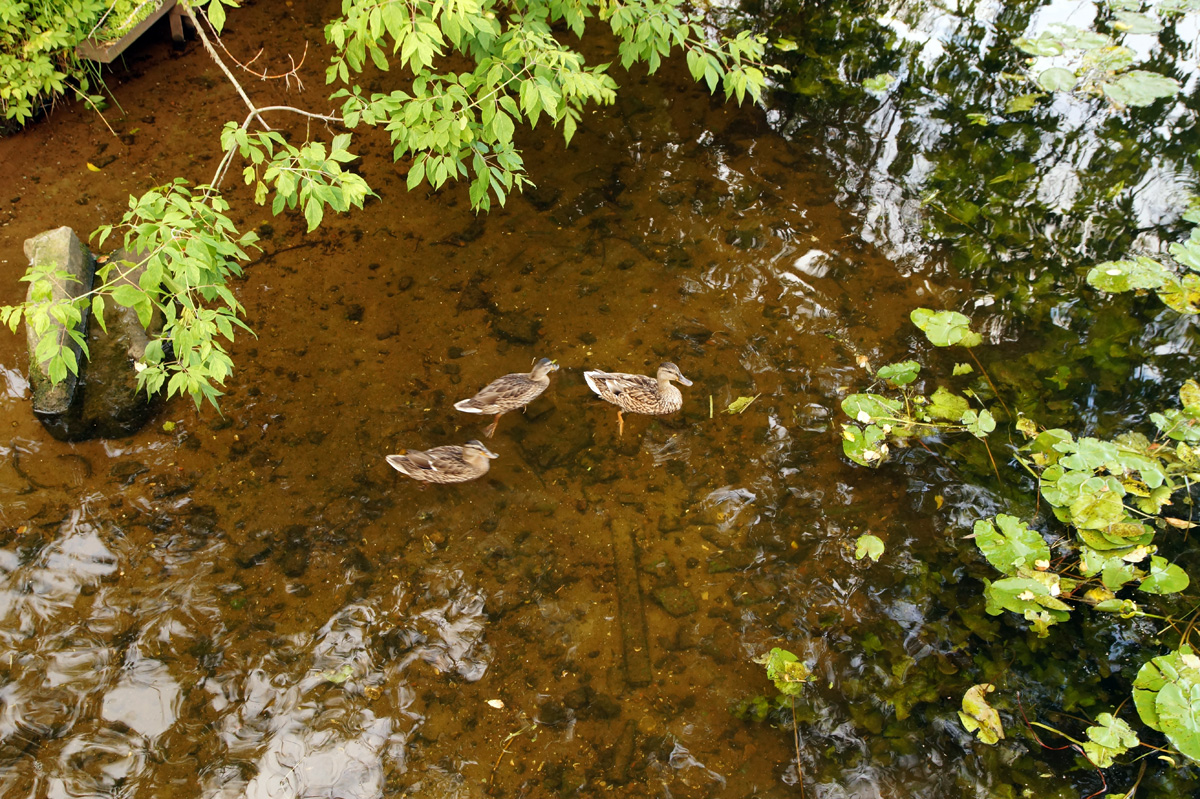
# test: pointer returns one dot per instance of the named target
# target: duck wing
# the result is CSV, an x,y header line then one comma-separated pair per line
x,y
503,394
626,390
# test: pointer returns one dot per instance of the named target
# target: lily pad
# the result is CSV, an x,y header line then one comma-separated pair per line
x,y
879,83
1021,594
787,671
945,328
1140,273
1164,577
979,424
1109,738
867,408
1057,79
1132,22
947,405
864,446
868,546
1139,87
1181,295
1008,543
899,374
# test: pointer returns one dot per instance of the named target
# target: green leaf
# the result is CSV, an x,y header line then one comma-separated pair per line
x,y
945,404
1166,693
868,546
1189,395
1109,738
1023,102
1139,87
216,15
1120,276
740,404
1044,45
1164,578
98,311
979,424
879,83
1097,506
864,446
962,369
1057,79
979,717
786,670
868,408
899,374
1009,544
945,328
1022,594
127,295
1130,22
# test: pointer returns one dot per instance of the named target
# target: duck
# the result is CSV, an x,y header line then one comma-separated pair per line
x,y
639,393
448,464
508,393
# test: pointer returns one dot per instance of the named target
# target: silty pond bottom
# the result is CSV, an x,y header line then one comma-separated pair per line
x,y
255,604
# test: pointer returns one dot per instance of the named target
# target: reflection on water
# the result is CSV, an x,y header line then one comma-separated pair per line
x,y
255,605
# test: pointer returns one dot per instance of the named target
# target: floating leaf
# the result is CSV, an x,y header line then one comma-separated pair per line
x,y
1043,45
1181,295
1189,394
1023,102
787,671
92,167
979,424
1008,543
879,83
740,404
868,546
899,374
1139,87
1119,276
962,369
1188,252
945,328
864,446
1019,594
866,408
1098,505
1057,79
1131,22
1164,578
945,404
978,716
1109,738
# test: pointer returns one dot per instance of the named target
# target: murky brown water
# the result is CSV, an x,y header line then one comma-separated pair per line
x,y
257,605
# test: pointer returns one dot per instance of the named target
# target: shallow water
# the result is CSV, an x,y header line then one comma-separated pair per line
x,y
256,605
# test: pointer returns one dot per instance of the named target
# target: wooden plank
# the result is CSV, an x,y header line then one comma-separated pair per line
x,y
630,610
107,52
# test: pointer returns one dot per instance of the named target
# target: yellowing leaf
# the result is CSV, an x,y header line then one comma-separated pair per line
x,y
979,717
92,167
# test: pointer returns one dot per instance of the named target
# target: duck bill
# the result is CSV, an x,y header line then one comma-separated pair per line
x,y
684,380
488,452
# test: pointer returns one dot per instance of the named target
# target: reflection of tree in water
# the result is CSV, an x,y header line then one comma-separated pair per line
x,y
942,173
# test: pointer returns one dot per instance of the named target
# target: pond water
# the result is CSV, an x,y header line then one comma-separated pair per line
x,y
254,604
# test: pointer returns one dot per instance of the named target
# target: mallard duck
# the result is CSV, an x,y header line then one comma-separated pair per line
x,y
510,392
639,393
449,464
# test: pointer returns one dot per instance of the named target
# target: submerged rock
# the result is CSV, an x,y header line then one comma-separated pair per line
x,y
517,327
